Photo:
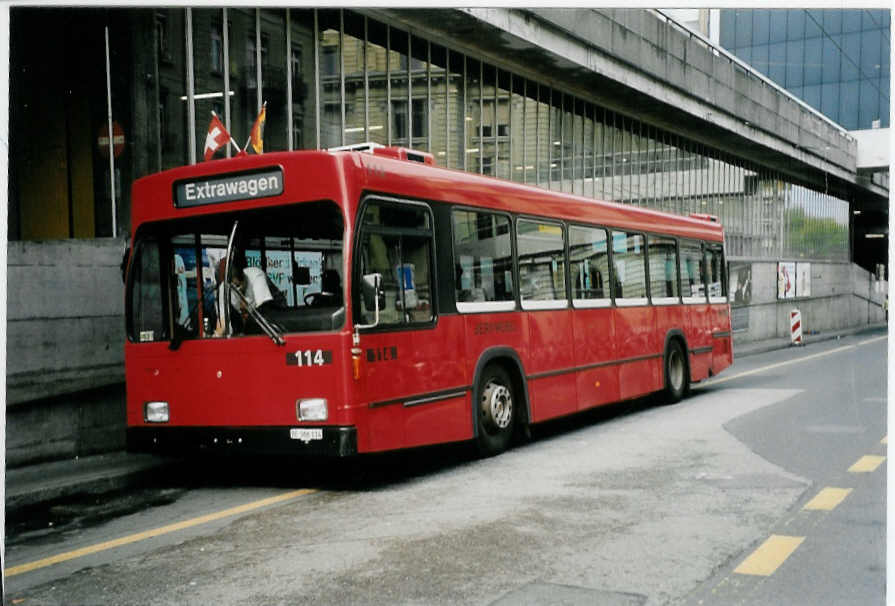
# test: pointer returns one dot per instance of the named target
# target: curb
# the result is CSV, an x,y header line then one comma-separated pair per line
x,y
101,474
783,342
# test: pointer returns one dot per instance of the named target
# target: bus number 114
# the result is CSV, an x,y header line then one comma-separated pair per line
x,y
309,357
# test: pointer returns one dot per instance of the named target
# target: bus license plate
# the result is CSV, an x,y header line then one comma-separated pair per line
x,y
306,434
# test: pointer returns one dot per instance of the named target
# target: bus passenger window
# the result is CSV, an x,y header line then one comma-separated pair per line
x,y
589,266
542,264
716,275
629,260
693,275
663,269
483,269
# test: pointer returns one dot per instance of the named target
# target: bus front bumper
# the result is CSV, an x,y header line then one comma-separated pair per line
x,y
313,441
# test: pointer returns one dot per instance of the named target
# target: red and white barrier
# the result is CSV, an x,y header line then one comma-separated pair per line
x,y
795,325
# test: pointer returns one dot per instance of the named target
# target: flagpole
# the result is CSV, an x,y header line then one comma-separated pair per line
x,y
232,140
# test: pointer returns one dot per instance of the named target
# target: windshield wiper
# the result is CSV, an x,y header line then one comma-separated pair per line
x,y
269,328
226,289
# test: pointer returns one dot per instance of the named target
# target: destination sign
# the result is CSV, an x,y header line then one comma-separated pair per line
x,y
227,188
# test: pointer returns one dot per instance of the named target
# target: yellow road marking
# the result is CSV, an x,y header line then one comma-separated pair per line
x,y
788,362
828,498
867,463
148,534
768,558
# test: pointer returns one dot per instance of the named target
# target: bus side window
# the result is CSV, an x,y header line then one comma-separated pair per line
x,y
692,268
589,263
483,267
629,257
716,279
663,269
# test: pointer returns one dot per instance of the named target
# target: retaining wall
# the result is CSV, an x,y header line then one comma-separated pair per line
x,y
843,295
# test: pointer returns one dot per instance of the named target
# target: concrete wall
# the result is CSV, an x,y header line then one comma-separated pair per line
x,y
64,427
65,349
843,295
65,330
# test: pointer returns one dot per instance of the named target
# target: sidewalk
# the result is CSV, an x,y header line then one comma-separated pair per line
x,y
758,347
38,484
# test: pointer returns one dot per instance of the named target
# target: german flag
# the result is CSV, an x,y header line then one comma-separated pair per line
x,y
257,134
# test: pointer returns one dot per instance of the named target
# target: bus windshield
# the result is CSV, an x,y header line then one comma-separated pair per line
x,y
286,262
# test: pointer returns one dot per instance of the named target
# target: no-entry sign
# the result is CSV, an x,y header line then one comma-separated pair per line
x,y
102,140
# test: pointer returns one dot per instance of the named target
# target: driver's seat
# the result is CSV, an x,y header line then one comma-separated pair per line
x,y
330,291
331,282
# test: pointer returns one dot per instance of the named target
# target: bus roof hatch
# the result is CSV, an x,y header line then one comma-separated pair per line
x,y
398,153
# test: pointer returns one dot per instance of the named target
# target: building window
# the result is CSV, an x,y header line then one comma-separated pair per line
x,y
295,59
265,44
161,34
164,120
216,49
251,63
329,58
399,120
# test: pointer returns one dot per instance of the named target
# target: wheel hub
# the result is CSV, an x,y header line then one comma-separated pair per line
x,y
497,406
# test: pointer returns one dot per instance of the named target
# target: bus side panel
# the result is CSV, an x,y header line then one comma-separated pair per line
x,y
550,334
640,368
488,331
444,421
722,338
668,318
594,343
402,366
380,428
699,340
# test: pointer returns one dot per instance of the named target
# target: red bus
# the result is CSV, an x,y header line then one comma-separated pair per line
x,y
379,302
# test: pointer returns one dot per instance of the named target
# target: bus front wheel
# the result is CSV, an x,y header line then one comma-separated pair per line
x,y
676,375
494,411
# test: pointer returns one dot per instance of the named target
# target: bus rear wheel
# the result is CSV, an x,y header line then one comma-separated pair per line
x,y
495,412
676,375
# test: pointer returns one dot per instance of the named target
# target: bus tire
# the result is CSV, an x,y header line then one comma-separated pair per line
x,y
677,376
495,409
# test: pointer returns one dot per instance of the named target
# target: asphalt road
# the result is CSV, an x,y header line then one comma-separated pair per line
x,y
742,493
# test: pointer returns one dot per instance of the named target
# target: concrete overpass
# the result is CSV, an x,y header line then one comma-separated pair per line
x,y
643,63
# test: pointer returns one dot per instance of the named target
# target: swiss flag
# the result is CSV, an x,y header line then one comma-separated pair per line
x,y
217,137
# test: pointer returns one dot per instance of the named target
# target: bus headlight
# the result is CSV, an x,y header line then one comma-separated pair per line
x,y
156,412
311,409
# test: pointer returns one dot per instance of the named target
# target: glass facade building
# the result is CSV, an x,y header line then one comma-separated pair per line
x,y
334,77
836,60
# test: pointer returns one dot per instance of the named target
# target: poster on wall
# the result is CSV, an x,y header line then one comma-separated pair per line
x,y
740,283
803,279
786,280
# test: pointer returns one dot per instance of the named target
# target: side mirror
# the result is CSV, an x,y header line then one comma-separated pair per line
x,y
371,290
